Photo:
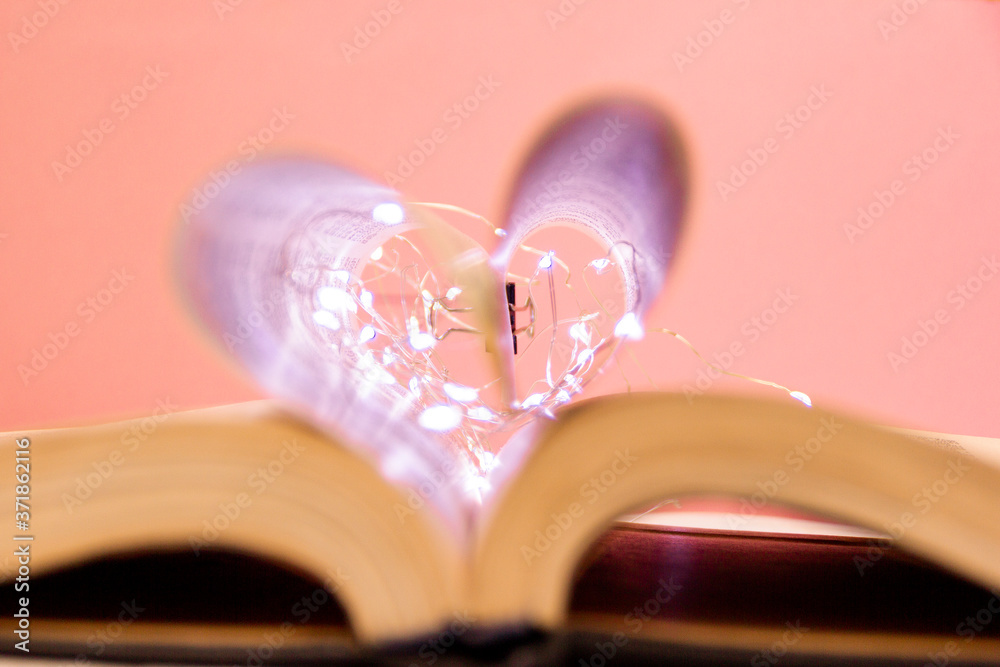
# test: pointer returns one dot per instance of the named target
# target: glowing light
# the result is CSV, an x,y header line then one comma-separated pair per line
x,y
532,401
336,299
481,413
628,327
476,484
373,370
325,318
460,393
388,213
421,341
440,418
489,460
581,332
800,396
395,337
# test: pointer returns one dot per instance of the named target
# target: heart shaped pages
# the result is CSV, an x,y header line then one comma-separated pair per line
x,y
367,314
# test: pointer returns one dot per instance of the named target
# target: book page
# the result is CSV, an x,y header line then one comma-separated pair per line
x,y
271,265
616,172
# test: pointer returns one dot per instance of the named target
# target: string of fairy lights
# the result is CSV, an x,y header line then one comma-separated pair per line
x,y
389,321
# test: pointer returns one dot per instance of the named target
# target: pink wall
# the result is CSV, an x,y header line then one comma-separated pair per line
x,y
213,77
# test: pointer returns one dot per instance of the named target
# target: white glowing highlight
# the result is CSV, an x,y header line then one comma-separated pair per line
x,y
546,261
629,327
388,213
581,332
440,418
421,341
325,318
601,264
453,292
374,371
336,299
367,333
801,396
475,484
481,413
460,393
488,460
532,401
367,299
376,254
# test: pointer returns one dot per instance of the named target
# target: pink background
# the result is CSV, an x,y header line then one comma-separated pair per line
x,y
225,72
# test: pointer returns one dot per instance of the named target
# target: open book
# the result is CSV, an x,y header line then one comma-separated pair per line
x,y
253,479
421,464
